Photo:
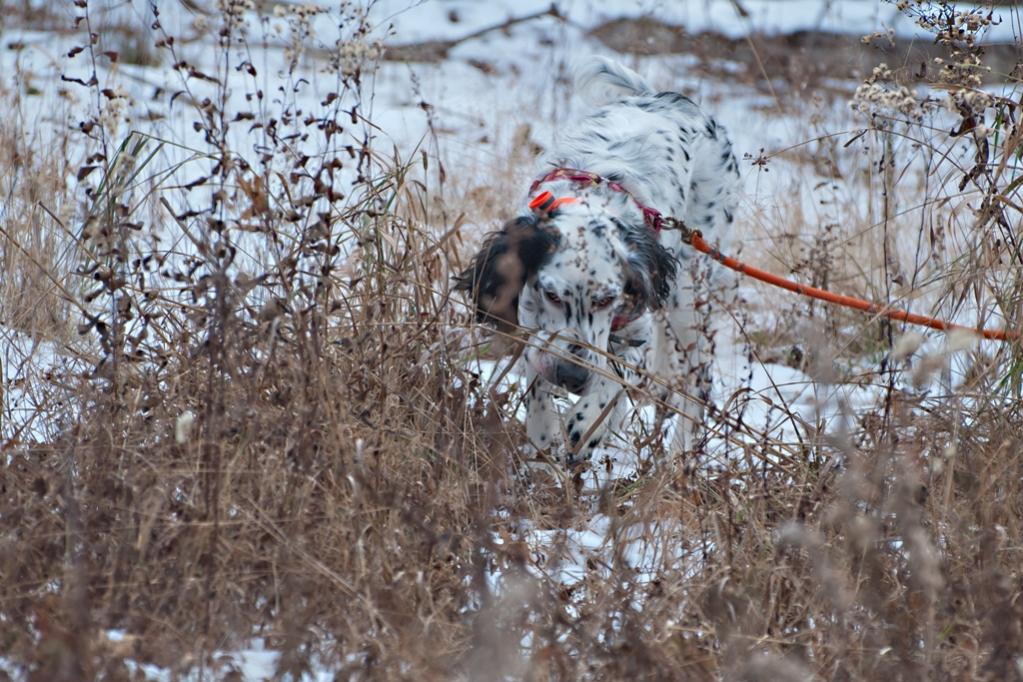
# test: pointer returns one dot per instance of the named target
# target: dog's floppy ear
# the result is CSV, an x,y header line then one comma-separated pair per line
x,y
650,268
500,270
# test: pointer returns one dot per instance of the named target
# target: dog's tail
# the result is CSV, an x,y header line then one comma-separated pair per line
x,y
600,80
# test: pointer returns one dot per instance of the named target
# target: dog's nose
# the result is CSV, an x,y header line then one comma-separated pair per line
x,y
570,374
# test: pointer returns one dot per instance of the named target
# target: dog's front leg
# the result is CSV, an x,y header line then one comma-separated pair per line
x,y
593,415
602,408
543,426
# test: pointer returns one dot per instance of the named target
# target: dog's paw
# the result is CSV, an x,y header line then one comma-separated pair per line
x,y
581,429
529,453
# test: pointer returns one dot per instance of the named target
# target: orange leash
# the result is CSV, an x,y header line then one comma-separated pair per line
x,y
696,240
546,202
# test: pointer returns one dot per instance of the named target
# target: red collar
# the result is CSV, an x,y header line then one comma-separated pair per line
x,y
619,321
651,216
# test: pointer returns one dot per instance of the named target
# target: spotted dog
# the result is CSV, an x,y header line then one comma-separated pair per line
x,y
607,298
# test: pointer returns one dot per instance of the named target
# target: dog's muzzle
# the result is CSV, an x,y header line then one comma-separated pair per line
x,y
572,374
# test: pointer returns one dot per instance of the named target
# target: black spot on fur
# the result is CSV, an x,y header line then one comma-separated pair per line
x,y
500,270
674,98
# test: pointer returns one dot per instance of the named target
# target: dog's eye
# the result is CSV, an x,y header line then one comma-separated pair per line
x,y
552,297
603,302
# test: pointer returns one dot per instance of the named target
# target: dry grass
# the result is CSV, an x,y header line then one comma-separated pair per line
x,y
279,435
36,257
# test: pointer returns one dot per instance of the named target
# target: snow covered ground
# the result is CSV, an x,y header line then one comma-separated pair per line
x,y
480,98
31,411
415,21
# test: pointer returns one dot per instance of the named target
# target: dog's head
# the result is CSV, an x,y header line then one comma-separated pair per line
x,y
567,277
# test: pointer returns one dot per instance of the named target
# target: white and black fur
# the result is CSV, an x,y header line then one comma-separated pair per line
x,y
563,277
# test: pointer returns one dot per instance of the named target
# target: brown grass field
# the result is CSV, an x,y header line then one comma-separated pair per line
x,y
247,405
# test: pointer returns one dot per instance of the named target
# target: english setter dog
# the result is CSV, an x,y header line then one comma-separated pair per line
x,y
608,299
